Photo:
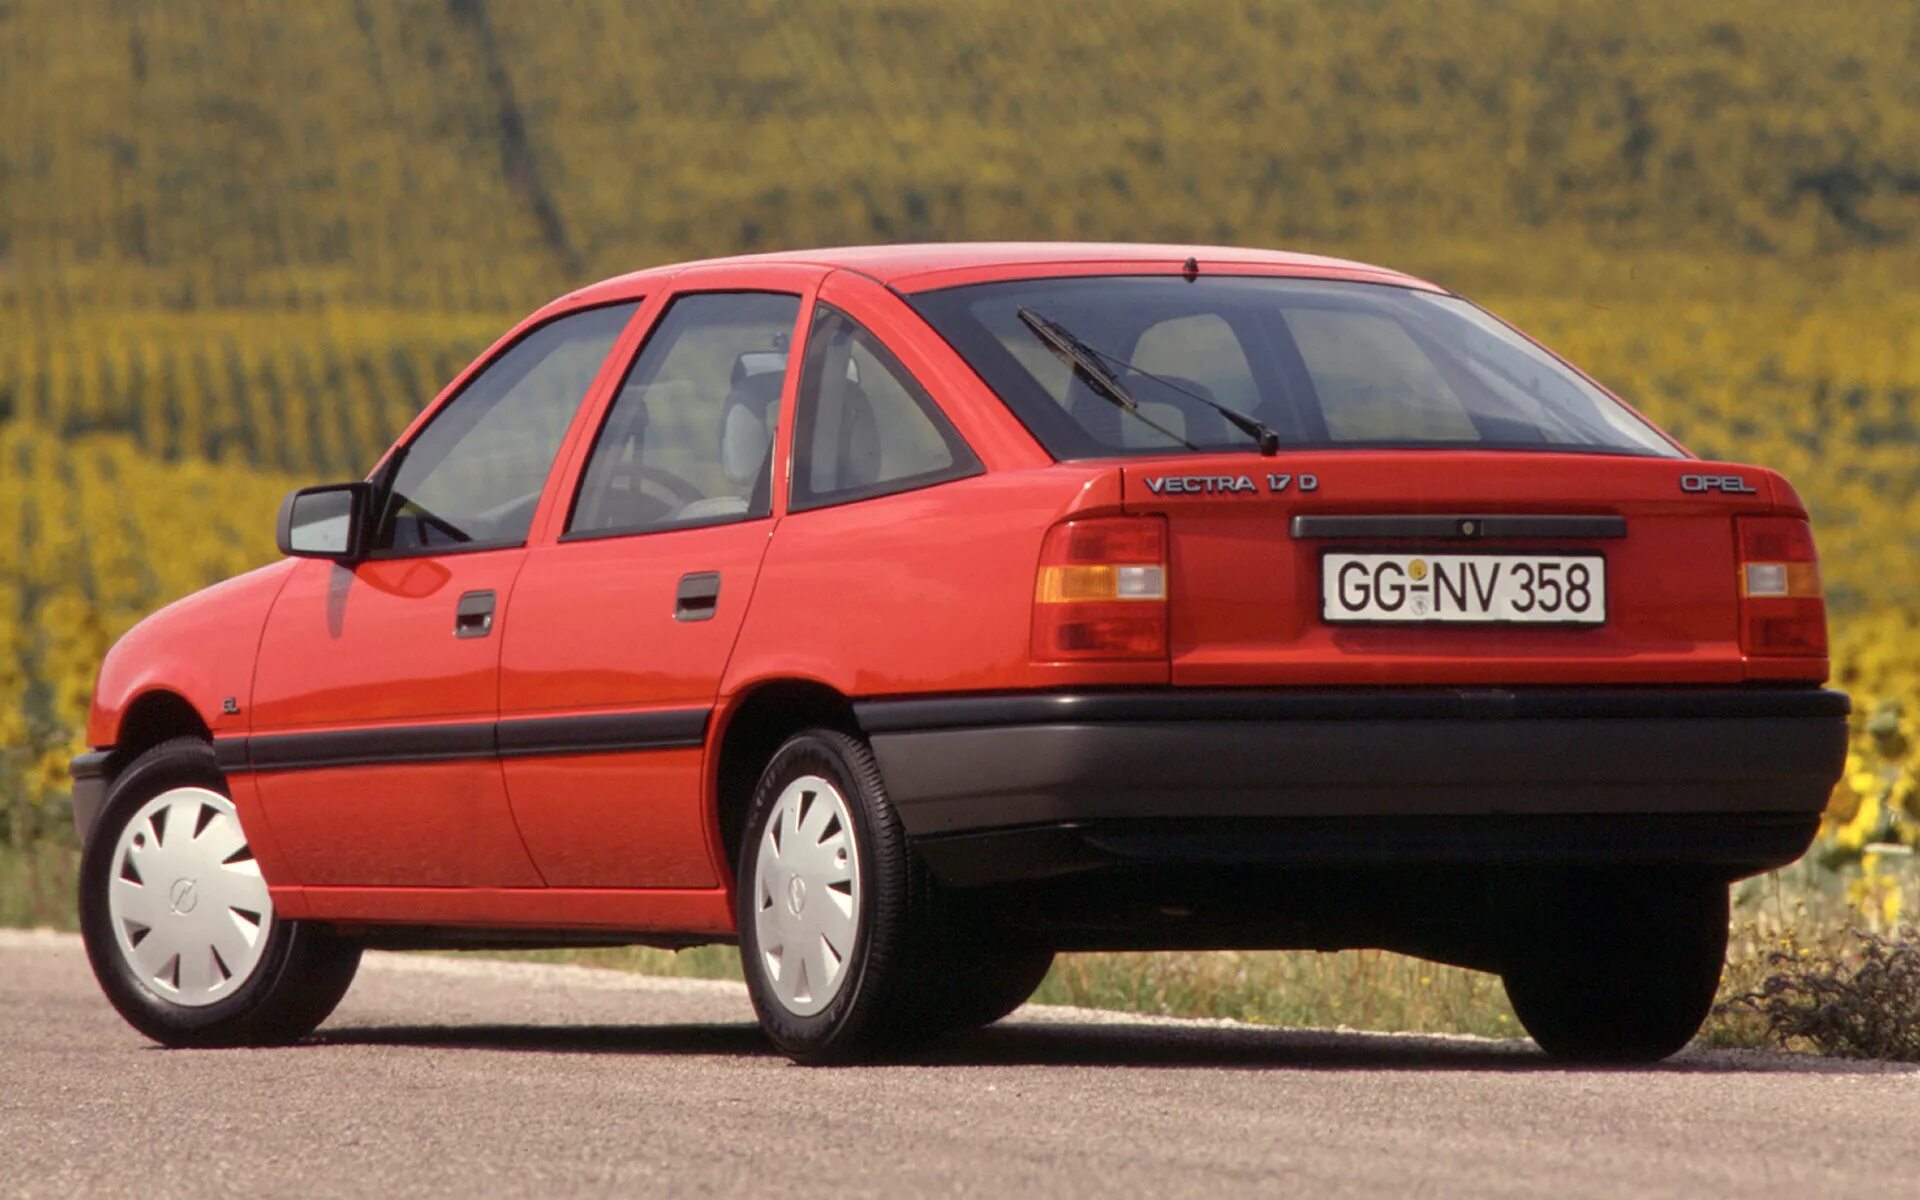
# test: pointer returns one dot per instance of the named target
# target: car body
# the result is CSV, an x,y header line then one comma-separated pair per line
x,y
1126,679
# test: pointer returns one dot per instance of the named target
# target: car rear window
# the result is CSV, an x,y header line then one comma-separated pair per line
x,y
1324,363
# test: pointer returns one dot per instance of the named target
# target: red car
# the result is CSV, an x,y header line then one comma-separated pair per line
x,y
912,613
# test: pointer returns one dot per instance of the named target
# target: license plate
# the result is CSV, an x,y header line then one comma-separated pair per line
x,y
1504,589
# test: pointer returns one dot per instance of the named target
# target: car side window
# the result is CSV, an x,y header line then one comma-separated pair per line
x,y
689,439
864,427
474,475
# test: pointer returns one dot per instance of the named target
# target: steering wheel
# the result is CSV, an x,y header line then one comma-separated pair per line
x,y
684,493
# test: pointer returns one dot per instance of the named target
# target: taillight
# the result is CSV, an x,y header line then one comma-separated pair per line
x,y
1101,592
1782,609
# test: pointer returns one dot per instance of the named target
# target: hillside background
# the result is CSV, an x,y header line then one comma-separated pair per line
x,y
242,242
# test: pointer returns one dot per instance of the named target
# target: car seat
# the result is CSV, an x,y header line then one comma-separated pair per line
x,y
748,420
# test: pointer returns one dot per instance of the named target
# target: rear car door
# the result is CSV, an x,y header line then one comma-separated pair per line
x,y
620,628
376,690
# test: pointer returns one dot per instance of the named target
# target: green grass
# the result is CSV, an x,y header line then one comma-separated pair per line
x,y
37,885
1357,989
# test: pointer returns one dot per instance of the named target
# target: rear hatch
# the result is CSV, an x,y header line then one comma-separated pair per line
x,y
1437,567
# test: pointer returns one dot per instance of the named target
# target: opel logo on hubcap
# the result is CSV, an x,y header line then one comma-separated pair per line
x,y
182,897
796,894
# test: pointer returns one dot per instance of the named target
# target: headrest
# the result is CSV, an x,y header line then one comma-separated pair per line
x,y
758,362
746,425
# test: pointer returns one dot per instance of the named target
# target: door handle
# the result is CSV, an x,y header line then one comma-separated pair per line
x,y
698,597
474,616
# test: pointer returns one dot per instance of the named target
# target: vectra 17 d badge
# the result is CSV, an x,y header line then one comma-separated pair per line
x,y
1165,485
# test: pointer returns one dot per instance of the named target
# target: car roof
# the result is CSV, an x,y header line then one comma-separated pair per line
x,y
912,267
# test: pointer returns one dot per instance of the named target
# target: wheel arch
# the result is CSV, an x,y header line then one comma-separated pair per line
x,y
747,731
154,716
150,718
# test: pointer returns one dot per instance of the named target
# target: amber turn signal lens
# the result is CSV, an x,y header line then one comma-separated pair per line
x,y
1068,584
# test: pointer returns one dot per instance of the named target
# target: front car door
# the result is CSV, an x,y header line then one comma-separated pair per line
x,y
376,690
620,627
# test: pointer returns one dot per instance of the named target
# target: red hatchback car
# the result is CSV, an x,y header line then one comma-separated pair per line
x,y
912,613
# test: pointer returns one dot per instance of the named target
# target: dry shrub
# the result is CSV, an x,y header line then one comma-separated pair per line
x,y
1864,1004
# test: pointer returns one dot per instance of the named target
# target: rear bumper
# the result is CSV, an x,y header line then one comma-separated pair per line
x,y
1733,777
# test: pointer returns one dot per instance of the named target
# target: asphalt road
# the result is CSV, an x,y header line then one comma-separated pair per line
x,y
477,1078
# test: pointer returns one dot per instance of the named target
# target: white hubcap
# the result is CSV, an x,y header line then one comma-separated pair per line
x,y
806,887
190,911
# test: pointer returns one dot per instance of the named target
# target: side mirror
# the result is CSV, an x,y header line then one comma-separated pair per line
x,y
329,521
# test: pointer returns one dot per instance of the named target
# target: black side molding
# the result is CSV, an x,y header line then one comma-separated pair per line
x,y
1457,527
230,753
593,733
603,733
356,747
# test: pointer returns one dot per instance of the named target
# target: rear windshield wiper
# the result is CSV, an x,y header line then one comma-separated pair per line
x,y
1085,360
1092,364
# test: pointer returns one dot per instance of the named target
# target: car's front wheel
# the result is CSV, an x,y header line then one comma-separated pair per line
x,y
1616,968
178,923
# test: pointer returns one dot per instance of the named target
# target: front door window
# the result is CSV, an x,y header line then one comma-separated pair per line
x,y
473,477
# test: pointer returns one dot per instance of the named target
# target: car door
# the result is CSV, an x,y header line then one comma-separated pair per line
x,y
376,690
619,630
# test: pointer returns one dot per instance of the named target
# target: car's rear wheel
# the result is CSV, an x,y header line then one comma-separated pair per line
x,y
984,981
1616,967
178,923
835,911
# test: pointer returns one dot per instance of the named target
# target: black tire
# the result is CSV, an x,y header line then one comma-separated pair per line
x,y
882,1005
1617,968
987,980
303,970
